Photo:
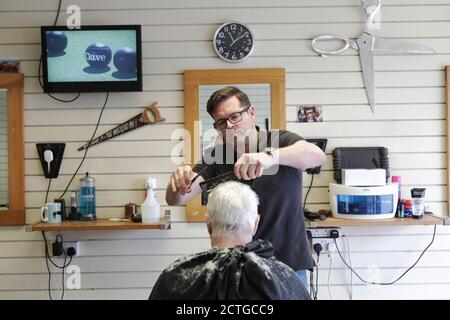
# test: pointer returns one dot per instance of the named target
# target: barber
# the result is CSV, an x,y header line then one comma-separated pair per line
x,y
274,173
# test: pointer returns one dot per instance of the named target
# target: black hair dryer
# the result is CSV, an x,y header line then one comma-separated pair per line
x,y
51,155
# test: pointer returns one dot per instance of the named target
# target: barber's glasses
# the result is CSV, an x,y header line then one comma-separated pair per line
x,y
233,118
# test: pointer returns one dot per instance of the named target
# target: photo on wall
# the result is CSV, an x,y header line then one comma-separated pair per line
x,y
309,113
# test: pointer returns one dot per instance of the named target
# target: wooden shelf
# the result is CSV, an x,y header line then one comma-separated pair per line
x,y
336,222
100,224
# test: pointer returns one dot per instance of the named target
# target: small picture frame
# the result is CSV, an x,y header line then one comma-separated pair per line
x,y
9,65
309,113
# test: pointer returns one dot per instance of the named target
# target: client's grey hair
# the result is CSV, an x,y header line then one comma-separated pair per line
x,y
232,209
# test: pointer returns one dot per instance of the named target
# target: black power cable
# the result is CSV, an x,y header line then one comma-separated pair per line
x,y
318,249
63,271
391,282
48,189
307,192
40,64
57,13
63,267
85,152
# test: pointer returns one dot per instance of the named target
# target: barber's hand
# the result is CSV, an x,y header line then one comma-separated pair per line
x,y
251,165
181,179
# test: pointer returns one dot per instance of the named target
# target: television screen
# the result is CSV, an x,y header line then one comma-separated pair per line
x,y
92,59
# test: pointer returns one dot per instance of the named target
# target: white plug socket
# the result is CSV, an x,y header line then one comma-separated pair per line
x,y
72,244
325,242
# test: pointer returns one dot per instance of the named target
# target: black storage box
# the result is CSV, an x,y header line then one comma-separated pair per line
x,y
360,158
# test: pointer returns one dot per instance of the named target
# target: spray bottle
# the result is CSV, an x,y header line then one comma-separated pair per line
x,y
150,208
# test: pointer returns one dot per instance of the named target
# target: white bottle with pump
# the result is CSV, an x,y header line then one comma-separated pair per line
x,y
150,208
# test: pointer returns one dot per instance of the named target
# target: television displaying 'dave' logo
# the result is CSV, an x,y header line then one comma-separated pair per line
x,y
98,55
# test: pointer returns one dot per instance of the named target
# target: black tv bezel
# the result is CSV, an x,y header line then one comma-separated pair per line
x,y
92,86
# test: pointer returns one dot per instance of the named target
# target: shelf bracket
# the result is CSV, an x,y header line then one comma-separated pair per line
x,y
166,225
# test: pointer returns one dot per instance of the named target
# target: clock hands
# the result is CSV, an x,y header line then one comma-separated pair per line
x,y
231,38
239,37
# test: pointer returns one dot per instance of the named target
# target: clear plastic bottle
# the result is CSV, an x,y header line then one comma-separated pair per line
x,y
150,208
73,215
87,198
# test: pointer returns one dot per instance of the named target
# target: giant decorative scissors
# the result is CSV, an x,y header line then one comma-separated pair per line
x,y
367,44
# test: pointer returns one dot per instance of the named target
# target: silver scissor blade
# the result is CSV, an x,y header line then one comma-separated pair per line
x,y
399,46
366,60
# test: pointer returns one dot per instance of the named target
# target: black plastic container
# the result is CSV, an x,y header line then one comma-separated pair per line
x,y
360,158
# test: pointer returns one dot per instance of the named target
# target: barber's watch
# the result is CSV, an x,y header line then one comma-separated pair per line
x,y
273,152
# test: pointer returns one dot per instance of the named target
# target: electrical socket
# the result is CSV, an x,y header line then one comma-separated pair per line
x,y
325,236
322,232
72,244
325,242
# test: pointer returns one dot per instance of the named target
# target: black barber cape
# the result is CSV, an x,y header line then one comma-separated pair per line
x,y
241,272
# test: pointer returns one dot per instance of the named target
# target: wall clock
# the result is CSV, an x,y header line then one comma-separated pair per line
x,y
233,41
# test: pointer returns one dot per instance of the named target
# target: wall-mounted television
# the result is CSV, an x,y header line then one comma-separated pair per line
x,y
92,59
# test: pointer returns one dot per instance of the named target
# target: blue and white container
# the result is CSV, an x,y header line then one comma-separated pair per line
x,y
374,202
87,198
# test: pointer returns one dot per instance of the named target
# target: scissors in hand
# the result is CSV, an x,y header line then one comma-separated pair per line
x,y
367,44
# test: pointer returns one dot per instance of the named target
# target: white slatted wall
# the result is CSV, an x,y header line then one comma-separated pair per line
x,y
177,36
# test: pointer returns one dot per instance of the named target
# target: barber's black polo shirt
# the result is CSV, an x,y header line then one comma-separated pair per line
x,y
280,201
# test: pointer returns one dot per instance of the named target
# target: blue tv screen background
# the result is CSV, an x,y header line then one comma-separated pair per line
x,y
71,65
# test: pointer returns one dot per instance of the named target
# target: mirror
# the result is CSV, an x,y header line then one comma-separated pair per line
x,y
12,168
447,131
266,90
259,95
4,187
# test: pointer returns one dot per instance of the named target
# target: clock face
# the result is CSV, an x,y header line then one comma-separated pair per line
x,y
233,41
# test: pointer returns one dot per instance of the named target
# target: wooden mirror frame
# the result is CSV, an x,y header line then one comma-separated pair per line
x,y
447,132
275,77
15,215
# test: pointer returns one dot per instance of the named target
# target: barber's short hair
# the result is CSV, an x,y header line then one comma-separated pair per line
x,y
232,209
224,94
